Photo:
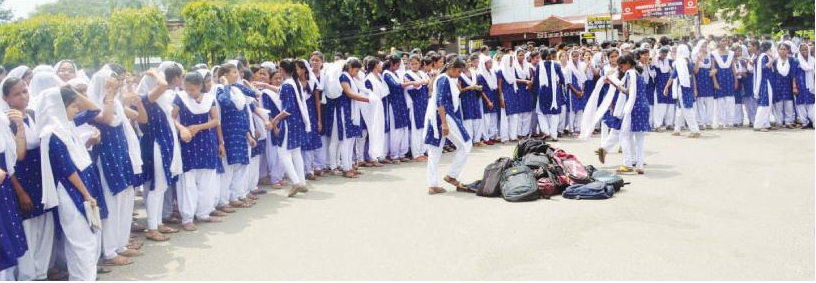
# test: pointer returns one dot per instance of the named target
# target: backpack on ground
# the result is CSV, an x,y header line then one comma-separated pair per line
x,y
608,177
492,178
538,162
546,187
594,190
573,168
529,145
518,184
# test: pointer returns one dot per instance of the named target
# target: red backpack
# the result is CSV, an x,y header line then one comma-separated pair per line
x,y
573,168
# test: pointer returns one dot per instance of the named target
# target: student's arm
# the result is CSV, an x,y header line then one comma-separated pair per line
x,y
16,117
111,88
161,86
184,134
62,165
26,205
440,110
353,95
317,94
222,152
499,81
669,84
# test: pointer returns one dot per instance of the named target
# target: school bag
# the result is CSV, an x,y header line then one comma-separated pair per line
x,y
538,162
546,187
573,168
594,190
607,177
528,146
518,184
492,178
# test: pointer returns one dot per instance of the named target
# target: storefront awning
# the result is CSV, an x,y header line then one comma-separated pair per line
x,y
551,24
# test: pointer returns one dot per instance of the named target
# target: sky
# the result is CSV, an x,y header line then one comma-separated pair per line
x,y
22,8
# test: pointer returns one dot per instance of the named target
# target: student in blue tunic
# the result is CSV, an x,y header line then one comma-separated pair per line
x,y
399,135
13,239
763,90
292,124
161,151
471,98
725,83
784,84
575,80
419,96
373,123
739,91
550,78
508,98
195,118
805,86
235,105
524,93
635,118
271,101
487,79
443,122
705,84
664,105
38,222
117,159
682,87
348,116
749,51
311,142
69,178
317,79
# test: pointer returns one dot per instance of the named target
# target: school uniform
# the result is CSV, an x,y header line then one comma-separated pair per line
x,y
763,92
162,158
706,104
748,100
330,114
12,236
348,125
635,121
312,142
805,98
199,182
38,224
472,106
490,116
576,77
664,104
294,131
724,96
523,98
683,91
398,116
373,120
739,93
548,111
271,101
235,108
784,72
446,94
419,102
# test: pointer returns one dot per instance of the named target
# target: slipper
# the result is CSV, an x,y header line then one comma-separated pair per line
x,y
257,191
136,228
227,209
172,220
212,219
156,236
99,270
189,227
130,253
218,213
117,261
293,191
455,183
167,230
436,190
350,175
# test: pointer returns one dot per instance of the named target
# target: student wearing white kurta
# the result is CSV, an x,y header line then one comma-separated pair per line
x,y
805,86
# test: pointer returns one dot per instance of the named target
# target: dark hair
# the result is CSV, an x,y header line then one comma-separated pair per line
x,y
352,63
288,65
9,83
451,57
391,60
68,95
664,40
172,73
553,53
484,48
628,59
302,65
246,73
475,57
194,78
338,54
117,68
255,68
535,54
765,46
456,63
372,64
426,62
435,58
415,57
225,68
318,54
545,53
788,47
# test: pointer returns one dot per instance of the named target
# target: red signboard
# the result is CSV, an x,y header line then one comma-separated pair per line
x,y
633,10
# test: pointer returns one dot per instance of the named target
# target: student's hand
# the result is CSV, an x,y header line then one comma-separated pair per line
x,y
736,84
95,139
795,90
15,116
695,93
252,142
606,80
222,152
717,86
2,176
501,104
185,135
319,126
490,105
666,92
194,129
112,85
579,94
26,205
91,201
445,129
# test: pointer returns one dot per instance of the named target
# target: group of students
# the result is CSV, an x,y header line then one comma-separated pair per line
x,y
76,150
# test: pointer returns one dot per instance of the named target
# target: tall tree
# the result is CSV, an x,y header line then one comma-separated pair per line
x,y
764,16
365,26
137,33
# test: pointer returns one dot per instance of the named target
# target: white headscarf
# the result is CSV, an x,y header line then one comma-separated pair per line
x,y
578,70
681,66
53,121
96,94
333,88
19,72
73,65
807,66
76,82
7,144
758,78
522,69
165,102
508,71
43,69
355,105
40,82
488,75
697,52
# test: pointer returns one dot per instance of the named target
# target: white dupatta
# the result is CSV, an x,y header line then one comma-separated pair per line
x,y
431,110
807,66
723,64
96,93
594,112
548,78
300,98
374,114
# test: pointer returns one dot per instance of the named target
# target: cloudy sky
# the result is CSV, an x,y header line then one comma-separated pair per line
x,y
22,8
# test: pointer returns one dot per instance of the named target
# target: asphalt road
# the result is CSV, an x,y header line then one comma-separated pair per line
x,y
732,205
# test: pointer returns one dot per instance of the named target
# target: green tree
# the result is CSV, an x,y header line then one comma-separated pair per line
x,y
764,16
30,41
209,30
403,24
137,33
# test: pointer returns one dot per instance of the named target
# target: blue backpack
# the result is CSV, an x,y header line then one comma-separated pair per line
x,y
594,190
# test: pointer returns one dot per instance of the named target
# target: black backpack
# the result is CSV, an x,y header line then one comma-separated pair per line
x,y
530,145
518,184
538,162
492,178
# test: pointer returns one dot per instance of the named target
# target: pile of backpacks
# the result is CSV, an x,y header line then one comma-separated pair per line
x,y
539,170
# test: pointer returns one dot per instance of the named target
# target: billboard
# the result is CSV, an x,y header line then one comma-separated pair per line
x,y
596,24
637,9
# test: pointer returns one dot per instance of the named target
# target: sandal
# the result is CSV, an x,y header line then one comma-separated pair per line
x,y
624,169
212,219
189,227
376,164
436,190
167,230
156,236
117,261
293,191
455,183
311,177
350,175
601,153
421,158
227,209
99,270
136,228
130,253
218,213
171,220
